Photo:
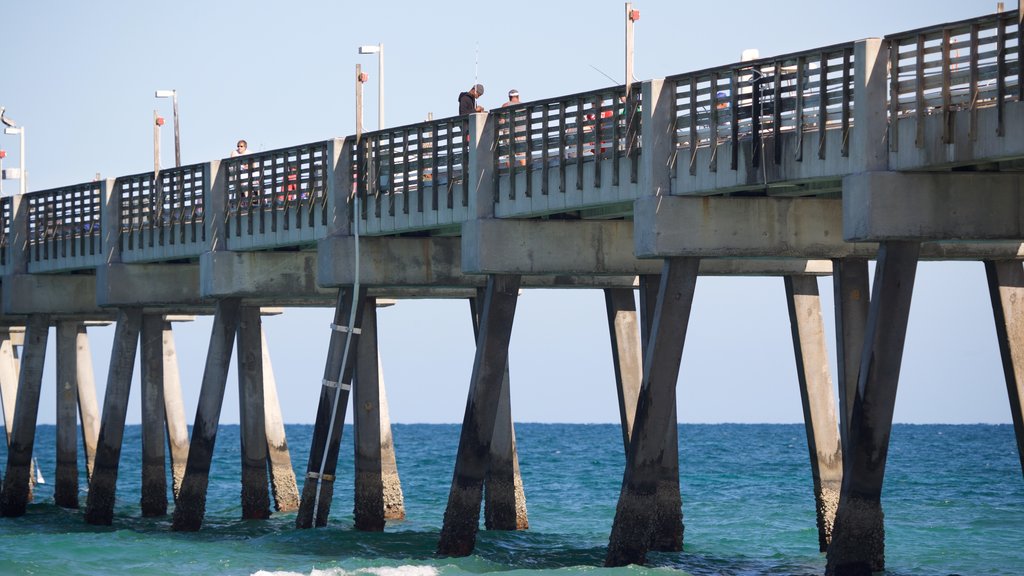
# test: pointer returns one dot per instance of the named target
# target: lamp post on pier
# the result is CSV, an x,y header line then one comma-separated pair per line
x,y
173,95
379,51
11,127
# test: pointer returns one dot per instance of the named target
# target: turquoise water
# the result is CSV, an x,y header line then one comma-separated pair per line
x,y
954,503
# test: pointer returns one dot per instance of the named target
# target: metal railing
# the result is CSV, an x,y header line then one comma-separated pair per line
x,y
960,66
412,169
64,227
566,133
800,93
164,218
277,198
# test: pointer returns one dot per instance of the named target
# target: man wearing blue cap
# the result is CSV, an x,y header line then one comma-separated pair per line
x,y
467,100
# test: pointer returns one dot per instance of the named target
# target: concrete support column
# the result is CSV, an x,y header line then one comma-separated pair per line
x,y
627,354
462,516
8,381
635,516
191,504
253,430
318,486
850,293
279,461
154,472
174,409
88,407
99,507
504,495
868,151
16,488
1006,289
816,397
65,489
657,163
858,539
369,486
339,186
394,500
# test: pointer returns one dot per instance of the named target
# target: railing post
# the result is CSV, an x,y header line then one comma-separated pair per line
x,y
869,153
480,166
110,220
19,246
657,159
215,196
339,187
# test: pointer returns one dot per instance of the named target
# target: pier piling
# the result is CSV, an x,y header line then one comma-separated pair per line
x,y
154,473
253,431
279,461
1006,290
65,488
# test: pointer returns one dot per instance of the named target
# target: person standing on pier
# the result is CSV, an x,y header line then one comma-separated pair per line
x,y
467,100
241,149
513,98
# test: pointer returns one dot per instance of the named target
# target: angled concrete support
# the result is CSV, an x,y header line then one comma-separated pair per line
x,y
851,292
627,353
1006,289
174,410
65,488
819,404
369,510
8,381
635,516
858,538
504,495
99,507
462,515
16,487
191,504
253,431
279,461
318,486
88,408
154,472
394,500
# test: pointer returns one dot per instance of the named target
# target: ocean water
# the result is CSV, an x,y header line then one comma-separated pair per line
x,y
954,504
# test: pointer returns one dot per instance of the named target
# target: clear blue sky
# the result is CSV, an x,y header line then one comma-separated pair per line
x,y
80,77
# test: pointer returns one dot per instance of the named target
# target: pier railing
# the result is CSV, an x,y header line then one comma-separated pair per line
x,y
64,228
6,214
276,198
959,67
567,153
163,221
412,177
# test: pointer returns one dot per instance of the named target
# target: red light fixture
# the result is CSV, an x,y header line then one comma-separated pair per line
x,y
159,120
634,15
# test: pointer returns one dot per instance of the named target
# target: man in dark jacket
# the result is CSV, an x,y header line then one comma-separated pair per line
x,y
467,100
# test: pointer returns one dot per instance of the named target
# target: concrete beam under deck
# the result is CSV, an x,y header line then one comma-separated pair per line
x,y
172,285
278,278
67,295
805,228
922,206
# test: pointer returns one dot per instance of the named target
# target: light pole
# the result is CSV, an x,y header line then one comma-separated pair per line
x,y
379,51
173,95
11,127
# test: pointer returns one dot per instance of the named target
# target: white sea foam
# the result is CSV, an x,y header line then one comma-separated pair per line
x,y
376,571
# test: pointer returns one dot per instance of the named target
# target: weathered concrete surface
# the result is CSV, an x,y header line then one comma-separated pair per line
x,y
318,485
252,424
636,514
282,476
880,206
99,507
8,379
851,294
191,505
368,509
51,294
65,488
627,354
148,285
275,278
154,472
1006,290
394,500
17,483
816,397
174,410
462,515
856,538
933,152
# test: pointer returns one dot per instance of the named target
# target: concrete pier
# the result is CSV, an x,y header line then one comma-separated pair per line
x,y
817,399
99,508
279,461
174,409
191,504
858,538
1006,290
318,486
8,379
851,293
253,431
635,514
88,408
65,488
371,492
16,484
154,472
462,515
